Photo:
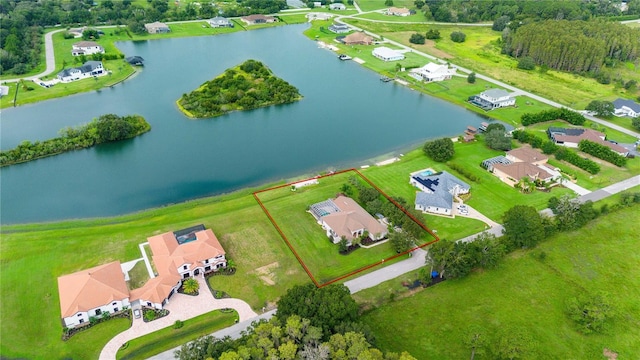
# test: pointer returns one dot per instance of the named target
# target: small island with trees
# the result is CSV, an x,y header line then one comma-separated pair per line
x,y
248,86
106,128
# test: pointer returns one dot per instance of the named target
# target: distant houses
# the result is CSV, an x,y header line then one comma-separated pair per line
x,y
624,107
87,70
357,38
318,16
437,191
337,6
220,22
385,54
339,28
520,163
432,72
258,19
493,99
157,28
102,289
86,48
394,11
572,137
342,217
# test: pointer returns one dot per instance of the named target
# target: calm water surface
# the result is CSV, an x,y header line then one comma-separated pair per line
x,y
347,116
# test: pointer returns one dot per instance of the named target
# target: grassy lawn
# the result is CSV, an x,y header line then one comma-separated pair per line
x,y
481,52
527,293
368,5
168,338
491,196
417,17
33,256
138,276
321,256
83,345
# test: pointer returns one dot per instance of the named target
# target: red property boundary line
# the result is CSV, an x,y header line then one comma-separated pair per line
x,y
295,253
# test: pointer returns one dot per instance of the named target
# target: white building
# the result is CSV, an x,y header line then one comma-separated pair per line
x,y
385,54
88,70
394,11
219,22
432,72
624,107
493,99
86,48
337,6
437,191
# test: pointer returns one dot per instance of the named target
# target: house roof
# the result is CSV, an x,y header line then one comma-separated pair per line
x,y
219,20
396,10
441,200
495,93
156,24
386,52
91,288
88,66
619,103
441,185
84,44
156,289
350,218
584,134
519,170
357,37
527,154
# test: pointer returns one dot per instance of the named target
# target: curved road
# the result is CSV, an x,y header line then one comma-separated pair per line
x,y
49,56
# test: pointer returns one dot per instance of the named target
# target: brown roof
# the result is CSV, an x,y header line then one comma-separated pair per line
x,y
591,135
86,44
399,10
527,154
168,256
358,38
91,288
352,217
519,170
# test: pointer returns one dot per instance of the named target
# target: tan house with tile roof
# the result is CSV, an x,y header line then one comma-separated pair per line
x,y
513,173
92,293
351,221
528,155
357,38
398,11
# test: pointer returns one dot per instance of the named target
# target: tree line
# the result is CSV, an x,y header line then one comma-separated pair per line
x,y
311,323
575,46
106,128
565,114
248,86
472,11
22,22
602,152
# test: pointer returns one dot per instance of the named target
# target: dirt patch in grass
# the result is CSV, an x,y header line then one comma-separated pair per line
x,y
266,273
429,46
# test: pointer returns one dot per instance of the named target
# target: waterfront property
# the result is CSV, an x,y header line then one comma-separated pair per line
x,y
493,99
385,54
157,28
92,293
357,38
572,137
258,19
342,217
520,163
432,72
318,16
87,70
625,107
86,48
339,28
337,6
177,256
220,22
437,191
394,11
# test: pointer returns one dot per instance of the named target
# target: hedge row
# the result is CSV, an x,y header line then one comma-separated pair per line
x,y
547,146
575,159
565,114
464,172
602,152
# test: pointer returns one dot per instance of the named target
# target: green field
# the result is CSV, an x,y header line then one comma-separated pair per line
x,y
481,53
525,293
368,5
168,338
289,210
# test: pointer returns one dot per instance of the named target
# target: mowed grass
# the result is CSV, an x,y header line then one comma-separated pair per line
x,y
368,5
289,210
168,338
490,196
481,52
33,256
525,293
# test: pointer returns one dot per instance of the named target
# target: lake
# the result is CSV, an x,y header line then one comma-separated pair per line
x,y
346,117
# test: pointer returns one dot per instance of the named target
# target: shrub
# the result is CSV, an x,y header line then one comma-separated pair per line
x,y
433,34
636,123
458,37
417,39
439,150
149,315
471,79
590,312
573,158
178,324
464,172
526,63
565,114
602,152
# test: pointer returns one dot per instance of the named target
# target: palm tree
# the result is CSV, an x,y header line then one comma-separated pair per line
x,y
190,286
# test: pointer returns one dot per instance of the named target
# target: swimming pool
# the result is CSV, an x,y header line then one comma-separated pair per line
x,y
427,172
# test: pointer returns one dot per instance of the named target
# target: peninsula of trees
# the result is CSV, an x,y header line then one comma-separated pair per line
x,y
106,128
244,87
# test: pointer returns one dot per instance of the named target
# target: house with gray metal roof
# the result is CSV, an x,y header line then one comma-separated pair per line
x,y
624,107
219,21
87,70
437,191
493,99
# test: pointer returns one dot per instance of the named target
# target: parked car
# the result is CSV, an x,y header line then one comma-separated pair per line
x,y
137,313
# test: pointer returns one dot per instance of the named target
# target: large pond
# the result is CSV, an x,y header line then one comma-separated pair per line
x,y
346,117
